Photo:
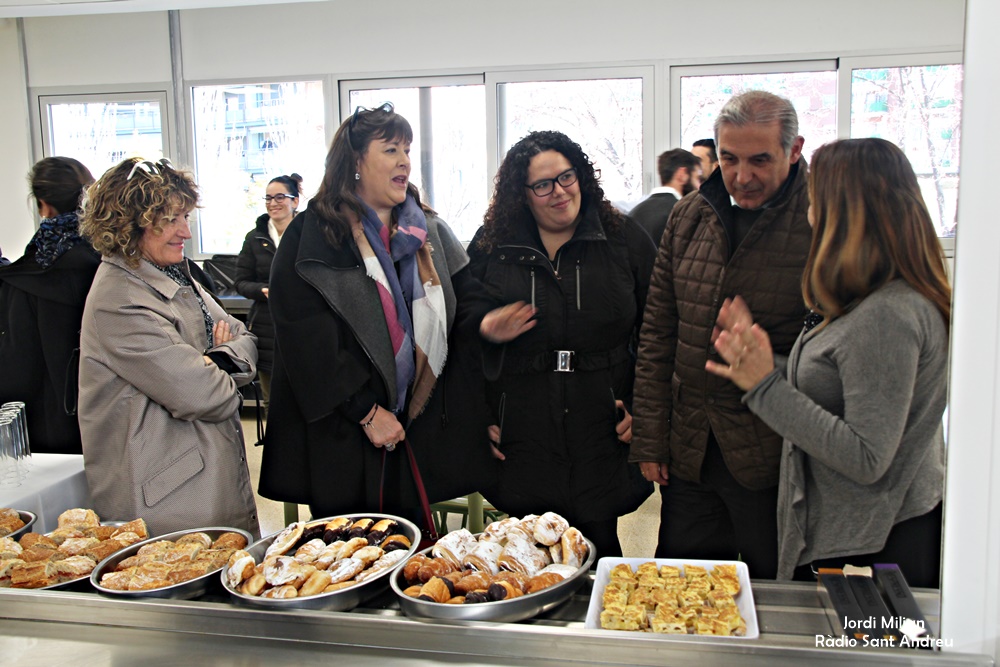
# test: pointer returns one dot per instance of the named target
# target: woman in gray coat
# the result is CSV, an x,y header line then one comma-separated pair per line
x,y
860,403
160,364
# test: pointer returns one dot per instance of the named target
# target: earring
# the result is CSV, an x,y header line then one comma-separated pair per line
x,y
357,176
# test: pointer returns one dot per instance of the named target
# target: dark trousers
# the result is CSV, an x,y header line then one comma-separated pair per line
x,y
718,519
914,545
604,535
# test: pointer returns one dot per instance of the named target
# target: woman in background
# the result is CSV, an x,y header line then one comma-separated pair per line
x,y
371,295
861,401
41,304
161,364
253,267
561,360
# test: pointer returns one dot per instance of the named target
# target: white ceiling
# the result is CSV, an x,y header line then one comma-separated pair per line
x,y
24,8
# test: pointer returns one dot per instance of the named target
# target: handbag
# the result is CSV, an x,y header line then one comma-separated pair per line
x,y
428,535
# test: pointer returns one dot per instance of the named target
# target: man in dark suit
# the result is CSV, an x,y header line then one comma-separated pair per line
x,y
680,173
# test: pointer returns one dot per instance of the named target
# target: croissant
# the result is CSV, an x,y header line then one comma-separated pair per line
x,y
503,590
472,582
413,566
437,590
435,567
542,581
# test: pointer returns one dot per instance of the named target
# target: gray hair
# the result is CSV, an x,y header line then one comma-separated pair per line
x,y
760,107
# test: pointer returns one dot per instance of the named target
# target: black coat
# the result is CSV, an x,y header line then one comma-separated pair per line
x,y
333,359
652,213
253,273
40,314
558,428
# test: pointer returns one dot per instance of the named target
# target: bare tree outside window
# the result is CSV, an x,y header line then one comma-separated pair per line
x,y
245,135
814,95
448,153
102,134
920,110
604,116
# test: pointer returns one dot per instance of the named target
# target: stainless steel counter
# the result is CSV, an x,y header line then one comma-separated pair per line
x,y
51,627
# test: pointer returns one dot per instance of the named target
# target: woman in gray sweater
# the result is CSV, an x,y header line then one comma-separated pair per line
x,y
861,398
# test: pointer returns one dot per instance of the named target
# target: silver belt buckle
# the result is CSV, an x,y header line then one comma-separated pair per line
x,y
564,361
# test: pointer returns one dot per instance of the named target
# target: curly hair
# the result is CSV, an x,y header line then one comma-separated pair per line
x,y
336,201
119,210
509,205
870,226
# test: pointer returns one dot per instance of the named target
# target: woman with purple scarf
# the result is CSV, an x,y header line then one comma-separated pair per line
x,y
41,305
376,318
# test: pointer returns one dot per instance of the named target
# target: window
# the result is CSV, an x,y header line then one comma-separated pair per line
x,y
813,92
448,154
102,130
245,135
604,116
918,108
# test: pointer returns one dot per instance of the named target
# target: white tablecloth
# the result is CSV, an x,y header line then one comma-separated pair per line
x,y
55,484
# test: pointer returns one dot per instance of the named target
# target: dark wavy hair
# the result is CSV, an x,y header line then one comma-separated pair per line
x,y
335,202
59,182
870,226
118,211
509,205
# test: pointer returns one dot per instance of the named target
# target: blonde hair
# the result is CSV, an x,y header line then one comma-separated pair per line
x,y
870,226
118,209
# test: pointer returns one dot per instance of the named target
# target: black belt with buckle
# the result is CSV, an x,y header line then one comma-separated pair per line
x,y
564,361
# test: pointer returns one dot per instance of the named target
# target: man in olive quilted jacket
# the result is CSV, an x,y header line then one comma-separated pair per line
x,y
746,233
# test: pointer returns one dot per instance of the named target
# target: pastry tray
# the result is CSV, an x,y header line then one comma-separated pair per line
x,y
346,598
744,599
186,590
28,518
500,611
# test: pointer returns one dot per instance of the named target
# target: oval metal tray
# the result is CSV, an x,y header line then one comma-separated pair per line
x,y
186,590
501,611
342,600
28,518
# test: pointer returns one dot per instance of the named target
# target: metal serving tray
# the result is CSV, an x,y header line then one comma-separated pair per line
x,y
29,519
501,611
342,600
186,590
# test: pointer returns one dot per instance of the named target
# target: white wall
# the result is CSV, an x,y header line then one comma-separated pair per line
x,y
17,223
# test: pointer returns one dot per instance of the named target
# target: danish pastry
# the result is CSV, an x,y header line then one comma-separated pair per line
x,y
574,548
483,557
548,528
285,540
454,546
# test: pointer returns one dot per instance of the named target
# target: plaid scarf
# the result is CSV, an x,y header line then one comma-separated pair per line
x,y
412,300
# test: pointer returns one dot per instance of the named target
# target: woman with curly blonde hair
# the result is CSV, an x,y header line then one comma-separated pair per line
x,y
861,401
161,364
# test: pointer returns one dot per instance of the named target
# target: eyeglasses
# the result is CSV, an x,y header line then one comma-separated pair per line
x,y
151,168
545,187
278,198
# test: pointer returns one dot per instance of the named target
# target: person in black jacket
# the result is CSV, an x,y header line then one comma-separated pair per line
x,y
560,357
253,267
42,295
376,317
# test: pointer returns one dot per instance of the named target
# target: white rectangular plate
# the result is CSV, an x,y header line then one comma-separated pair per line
x,y
744,600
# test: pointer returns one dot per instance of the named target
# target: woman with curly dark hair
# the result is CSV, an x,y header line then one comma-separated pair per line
x,y
560,357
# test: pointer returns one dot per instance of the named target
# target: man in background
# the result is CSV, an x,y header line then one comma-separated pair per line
x,y
744,233
705,150
680,173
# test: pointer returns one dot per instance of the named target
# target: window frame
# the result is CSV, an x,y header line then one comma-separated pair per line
x,y
846,68
188,156
46,97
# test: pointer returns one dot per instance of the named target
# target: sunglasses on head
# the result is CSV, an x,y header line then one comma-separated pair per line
x,y
150,168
